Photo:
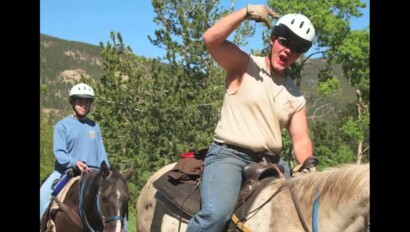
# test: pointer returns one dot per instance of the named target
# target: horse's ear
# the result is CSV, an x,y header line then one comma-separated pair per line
x,y
104,169
130,171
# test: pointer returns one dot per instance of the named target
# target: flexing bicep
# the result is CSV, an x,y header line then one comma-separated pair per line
x,y
229,56
225,53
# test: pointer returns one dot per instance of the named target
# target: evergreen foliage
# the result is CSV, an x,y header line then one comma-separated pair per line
x,y
46,153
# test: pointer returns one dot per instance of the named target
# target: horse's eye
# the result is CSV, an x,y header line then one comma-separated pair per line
x,y
105,199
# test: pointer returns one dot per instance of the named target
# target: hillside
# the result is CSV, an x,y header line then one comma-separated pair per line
x,y
310,80
63,62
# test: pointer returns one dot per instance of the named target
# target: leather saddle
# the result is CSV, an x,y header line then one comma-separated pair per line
x,y
184,192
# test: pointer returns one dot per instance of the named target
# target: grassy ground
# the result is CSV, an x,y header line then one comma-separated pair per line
x,y
131,223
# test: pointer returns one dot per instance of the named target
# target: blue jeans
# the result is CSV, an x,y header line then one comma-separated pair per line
x,y
46,191
220,187
285,167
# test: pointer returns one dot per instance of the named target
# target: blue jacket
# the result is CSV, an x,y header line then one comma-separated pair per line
x,y
76,140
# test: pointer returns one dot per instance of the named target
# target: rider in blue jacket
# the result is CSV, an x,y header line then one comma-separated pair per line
x,y
77,142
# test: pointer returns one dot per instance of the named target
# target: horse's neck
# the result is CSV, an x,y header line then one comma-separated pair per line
x,y
88,203
90,187
351,215
342,196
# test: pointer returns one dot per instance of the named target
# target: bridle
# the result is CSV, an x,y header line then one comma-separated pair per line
x,y
103,219
240,222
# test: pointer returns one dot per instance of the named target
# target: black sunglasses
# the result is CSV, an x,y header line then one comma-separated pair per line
x,y
292,46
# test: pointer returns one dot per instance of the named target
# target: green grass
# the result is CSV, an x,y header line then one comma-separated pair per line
x,y
131,223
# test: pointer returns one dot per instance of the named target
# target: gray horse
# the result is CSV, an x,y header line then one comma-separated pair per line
x,y
342,196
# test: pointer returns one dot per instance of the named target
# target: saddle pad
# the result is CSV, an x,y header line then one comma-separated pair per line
x,y
183,195
53,207
62,194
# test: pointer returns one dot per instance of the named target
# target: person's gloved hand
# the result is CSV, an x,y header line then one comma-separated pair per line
x,y
260,13
296,172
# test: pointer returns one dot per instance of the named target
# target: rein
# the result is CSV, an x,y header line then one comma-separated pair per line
x,y
240,222
302,220
183,203
70,213
284,186
103,219
315,225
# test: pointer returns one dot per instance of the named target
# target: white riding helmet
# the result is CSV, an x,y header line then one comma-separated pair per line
x,y
81,91
297,27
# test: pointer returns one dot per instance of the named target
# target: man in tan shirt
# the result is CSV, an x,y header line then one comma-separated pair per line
x,y
260,101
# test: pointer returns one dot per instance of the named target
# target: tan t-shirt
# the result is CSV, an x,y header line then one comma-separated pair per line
x,y
254,116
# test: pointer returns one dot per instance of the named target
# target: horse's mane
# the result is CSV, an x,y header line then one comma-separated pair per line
x,y
334,185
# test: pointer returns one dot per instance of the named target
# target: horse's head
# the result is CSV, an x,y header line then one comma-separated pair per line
x,y
105,201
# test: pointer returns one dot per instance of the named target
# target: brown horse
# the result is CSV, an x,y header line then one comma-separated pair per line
x,y
341,195
98,201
